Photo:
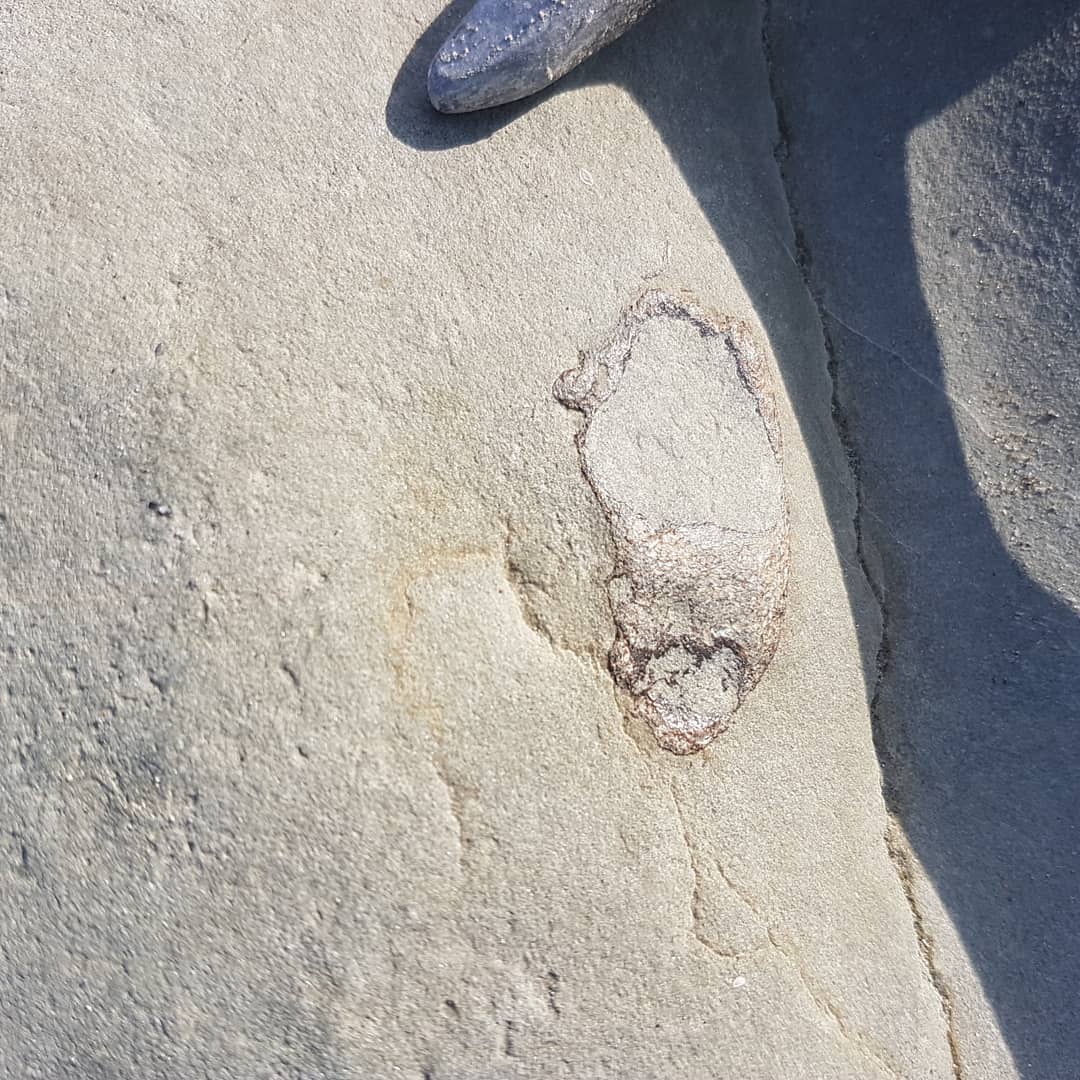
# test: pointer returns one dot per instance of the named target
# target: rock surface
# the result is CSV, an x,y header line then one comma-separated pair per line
x,y
312,761
944,258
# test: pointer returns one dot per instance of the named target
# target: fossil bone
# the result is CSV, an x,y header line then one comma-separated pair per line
x,y
681,446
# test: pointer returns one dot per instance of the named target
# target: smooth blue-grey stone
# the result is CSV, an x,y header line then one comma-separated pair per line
x,y
508,49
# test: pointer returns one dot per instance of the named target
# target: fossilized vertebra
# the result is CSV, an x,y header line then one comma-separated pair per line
x,y
681,446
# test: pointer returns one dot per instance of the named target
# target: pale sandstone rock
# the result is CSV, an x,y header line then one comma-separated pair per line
x,y
322,773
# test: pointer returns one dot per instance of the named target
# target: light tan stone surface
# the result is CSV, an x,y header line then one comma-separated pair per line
x,y
313,766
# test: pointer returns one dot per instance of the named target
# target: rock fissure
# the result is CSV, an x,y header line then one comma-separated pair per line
x,y
772,941
903,861
829,1009
696,893
883,739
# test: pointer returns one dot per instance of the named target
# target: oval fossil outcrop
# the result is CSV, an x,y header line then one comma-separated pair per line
x,y
681,445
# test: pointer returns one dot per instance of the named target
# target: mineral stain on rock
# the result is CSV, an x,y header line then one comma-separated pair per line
x,y
681,445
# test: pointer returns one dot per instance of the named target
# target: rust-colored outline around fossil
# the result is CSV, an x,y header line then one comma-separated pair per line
x,y
697,606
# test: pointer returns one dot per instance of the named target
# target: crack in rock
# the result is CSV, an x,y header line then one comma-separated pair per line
x,y
904,864
857,1039
862,1043
890,761
681,446
697,896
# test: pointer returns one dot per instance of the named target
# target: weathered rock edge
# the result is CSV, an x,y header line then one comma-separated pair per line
x,y
697,606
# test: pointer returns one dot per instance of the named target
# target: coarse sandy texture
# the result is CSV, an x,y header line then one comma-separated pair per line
x,y
944,255
312,763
